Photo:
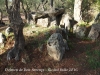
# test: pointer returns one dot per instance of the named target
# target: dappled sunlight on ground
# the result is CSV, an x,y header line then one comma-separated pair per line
x,y
74,61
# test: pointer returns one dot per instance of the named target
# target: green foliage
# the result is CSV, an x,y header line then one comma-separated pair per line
x,y
93,59
90,8
67,4
2,4
86,39
98,4
82,23
31,4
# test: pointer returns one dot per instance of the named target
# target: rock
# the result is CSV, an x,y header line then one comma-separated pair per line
x,y
23,61
43,22
65,21
2,38
56,46
75,28
8,30
53,23
95,28
94,32
79,31
97,19
63,32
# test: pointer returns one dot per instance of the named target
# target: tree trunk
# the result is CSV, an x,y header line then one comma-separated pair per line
x,y
77,10
1,14
17,26
51,5
42,6
25,12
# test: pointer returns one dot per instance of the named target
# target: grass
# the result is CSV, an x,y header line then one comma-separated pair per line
x,y
38,36
93,59
86,39
70,44
82,23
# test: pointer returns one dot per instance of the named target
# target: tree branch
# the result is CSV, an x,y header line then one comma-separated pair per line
x,y
6,4
25,12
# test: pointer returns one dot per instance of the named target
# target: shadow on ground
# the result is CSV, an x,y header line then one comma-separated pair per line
x,y
74,61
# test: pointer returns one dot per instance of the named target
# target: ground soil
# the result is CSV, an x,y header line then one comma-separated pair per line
x,y
74,61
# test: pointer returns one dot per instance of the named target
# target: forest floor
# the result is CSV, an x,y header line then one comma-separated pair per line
x,y
81,59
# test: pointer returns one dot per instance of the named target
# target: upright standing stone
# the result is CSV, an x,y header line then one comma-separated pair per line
x,y
43,22
94,32
65,21
56,46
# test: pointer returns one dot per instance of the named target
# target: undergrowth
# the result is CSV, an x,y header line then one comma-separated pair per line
x,y
93,59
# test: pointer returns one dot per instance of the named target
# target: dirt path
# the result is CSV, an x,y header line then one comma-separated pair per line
x,y
74,61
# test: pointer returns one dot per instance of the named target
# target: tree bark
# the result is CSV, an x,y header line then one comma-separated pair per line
x,y
17,26
25,12
51,4
1,15
77,10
